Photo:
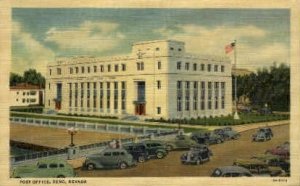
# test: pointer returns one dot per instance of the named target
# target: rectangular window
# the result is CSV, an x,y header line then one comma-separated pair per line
x,y
195,96
108,96
50,71
222,95
88,69
82,70
187,95
158,84
222,68
101,95
123,95
178,65
216,68
158,65
123,67
71,70
202,67
158,110
88,95
108,68
101,68
202,96
216,95
116,68
209,95
58,71
76,94
195,66
48,102
95,69
209,67
179,96
187,66
76,70
94,94
70,94
49,86
116,95
81,94
142,65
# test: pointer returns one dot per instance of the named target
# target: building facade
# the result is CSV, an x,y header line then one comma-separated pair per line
x,y
25,95
159,79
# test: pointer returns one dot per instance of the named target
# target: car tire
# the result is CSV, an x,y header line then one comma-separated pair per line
x,y
198,162
218,141
141,159
60,176
90,166
169,147
122,165
159,155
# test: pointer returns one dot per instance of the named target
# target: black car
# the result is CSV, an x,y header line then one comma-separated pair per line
x,y
266,130
137,151
147,149
207,138
196,155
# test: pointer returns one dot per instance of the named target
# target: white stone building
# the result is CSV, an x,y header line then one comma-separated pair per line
x,y
159,79
25,94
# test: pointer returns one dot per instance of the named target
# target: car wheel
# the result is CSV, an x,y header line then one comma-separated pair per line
x,y
141,159
169,147
218,141
159,155
123,165
90,166
60,176
198,162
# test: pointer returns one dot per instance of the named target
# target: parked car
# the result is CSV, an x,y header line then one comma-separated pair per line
x,y
207,138
281,150
147,149
261,136
245,109
180,142
196,155
231,171
109,158
258,167
274,160
47,168
227,133
266,130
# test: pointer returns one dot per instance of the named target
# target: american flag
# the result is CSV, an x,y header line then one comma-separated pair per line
x,y
229,48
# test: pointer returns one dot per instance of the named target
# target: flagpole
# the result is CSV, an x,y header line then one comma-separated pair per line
x,y
236,115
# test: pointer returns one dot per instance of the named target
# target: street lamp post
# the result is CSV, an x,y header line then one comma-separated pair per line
x,y
236,115
72,131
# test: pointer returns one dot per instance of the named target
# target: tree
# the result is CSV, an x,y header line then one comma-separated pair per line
x,y
33,77
15,79
268,86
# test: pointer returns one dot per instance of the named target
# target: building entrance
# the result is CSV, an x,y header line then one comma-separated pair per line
x,y
140,103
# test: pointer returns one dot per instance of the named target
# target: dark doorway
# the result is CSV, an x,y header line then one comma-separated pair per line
x,y
140,103
58,96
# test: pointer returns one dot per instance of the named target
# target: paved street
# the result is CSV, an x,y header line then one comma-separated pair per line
x,y
224,154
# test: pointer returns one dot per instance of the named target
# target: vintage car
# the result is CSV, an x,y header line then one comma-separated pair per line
x,y
109,158
266,130
207,138
196,155
281,150
258,167
274,160
147,149
231,171
227,133
47,168
180,142
261,136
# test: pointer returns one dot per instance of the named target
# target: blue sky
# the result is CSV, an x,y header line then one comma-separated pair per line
x,y
39,35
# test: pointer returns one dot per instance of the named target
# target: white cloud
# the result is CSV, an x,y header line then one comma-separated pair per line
x,y
205,40
88,37
32,55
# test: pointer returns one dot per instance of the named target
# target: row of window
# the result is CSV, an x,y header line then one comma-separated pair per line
x,y
32,93
93,95
27,100
209,67
201,94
